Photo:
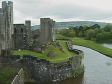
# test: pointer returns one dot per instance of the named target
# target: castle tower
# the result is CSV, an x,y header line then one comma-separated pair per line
x,y
53,31
29,32
7,8
46,30
6,25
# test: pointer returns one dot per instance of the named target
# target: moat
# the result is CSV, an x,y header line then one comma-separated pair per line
x,y
98,69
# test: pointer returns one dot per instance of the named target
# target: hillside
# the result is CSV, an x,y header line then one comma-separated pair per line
x,y
73,23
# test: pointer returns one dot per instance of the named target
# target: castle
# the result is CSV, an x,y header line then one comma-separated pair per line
x,y
13,36
19,36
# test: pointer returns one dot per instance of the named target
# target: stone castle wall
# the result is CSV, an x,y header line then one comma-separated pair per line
x,y
47,31
46,72
22,35
19,33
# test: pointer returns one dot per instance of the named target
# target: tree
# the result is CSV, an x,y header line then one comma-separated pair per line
x,y
108,28
71,33
68,32
95,26
90,34
104,37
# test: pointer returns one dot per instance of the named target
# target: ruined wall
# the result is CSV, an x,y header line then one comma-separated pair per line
x,y
45,72
47,33
19,34
22,35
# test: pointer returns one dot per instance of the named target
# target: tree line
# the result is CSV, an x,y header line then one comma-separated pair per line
x,y
94,32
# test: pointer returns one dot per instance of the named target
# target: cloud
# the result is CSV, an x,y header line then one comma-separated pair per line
x,y
62,10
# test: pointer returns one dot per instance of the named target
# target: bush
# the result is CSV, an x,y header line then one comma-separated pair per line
x,y
90,34
104,37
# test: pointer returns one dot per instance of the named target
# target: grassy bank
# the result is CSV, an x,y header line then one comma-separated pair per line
x,y
61,56
61,37
93,45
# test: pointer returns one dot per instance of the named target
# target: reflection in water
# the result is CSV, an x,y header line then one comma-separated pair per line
x,y
109,63
98,69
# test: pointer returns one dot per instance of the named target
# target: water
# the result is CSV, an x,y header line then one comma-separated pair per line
x,y
108,45
98,69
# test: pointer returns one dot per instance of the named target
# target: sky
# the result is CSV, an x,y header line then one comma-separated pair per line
x,y
62,10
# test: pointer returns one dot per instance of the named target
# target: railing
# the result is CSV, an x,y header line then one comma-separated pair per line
x,y
19,78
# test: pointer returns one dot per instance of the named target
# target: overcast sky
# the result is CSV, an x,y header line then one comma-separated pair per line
x,y
62,10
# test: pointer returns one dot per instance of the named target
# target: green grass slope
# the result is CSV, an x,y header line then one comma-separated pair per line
x,y
93,45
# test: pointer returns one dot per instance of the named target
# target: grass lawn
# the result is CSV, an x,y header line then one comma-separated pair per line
x,y
93,45
59,36
7,75
60,55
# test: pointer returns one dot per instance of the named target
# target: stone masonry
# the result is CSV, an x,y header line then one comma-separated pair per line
x,y
46,72
29,32
22,35
6,25
19,36
47,33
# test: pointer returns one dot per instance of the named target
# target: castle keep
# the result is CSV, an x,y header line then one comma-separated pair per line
x,y
47,33
6,25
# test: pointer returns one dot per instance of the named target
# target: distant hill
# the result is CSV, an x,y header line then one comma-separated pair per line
x,y
74,24
35,27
